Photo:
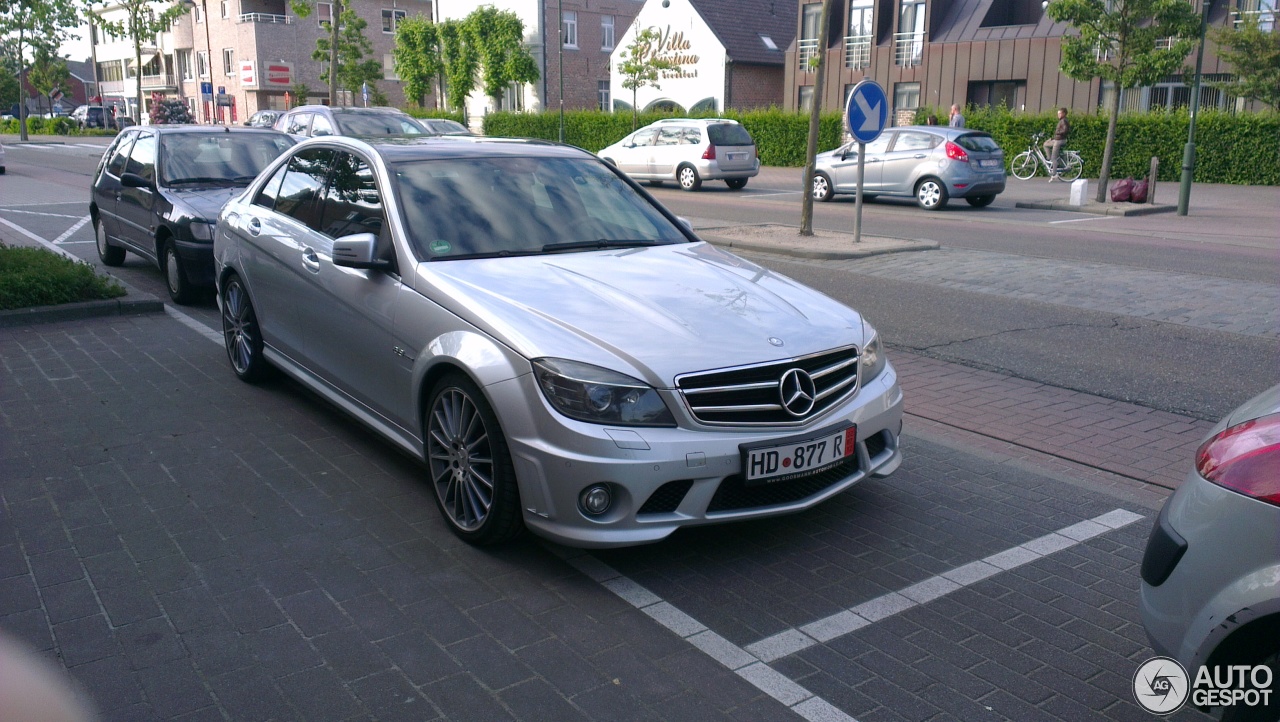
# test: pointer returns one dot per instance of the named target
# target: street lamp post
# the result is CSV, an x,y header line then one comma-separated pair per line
x,y
1189,152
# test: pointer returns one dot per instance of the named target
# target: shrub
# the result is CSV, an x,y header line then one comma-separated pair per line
x,y
38,277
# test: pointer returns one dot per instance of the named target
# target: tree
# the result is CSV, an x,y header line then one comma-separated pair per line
x,y
141,24
47,73
301,92
642,65
815,115
10,92
29,24
417,57
303,8
460,61
1254,52
1120,41
498,39
352,70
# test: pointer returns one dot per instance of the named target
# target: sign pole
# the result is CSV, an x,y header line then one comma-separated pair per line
x,y
857,205
865,115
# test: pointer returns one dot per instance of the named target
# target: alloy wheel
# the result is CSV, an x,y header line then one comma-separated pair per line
x,y
461,459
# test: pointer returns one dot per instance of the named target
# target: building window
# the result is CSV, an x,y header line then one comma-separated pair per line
x,y
569,30
228,61
805,100
1264,11
197,12
513,97
857,43
226,8
324,13
202,63
390,18
184,64
909,42
808,44
1009,94
389,67
602,93
606,32
906,97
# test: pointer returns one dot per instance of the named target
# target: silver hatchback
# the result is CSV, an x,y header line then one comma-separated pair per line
x,y
687,151
930,163
560,351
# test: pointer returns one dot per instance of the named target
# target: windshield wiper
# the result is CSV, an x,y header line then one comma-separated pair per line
x,y
488,254
184,181
599,243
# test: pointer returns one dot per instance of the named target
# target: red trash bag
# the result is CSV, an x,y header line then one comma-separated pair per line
x,y
1121,191
1139,192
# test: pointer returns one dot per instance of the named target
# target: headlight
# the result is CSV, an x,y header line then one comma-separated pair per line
x,y
600,396
873,359
201,231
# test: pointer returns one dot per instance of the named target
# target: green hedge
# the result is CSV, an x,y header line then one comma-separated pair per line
x,y
51,126
1238,148
432,113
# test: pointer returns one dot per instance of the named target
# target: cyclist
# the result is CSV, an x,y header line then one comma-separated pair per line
x,y
1053,146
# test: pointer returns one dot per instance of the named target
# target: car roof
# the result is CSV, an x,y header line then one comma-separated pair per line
x,y
704,121
394,149
347,109
207,129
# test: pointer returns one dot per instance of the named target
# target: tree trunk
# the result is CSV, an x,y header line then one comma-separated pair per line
x,y
815,125
137,74
1105,174
635,112
334,19
22,90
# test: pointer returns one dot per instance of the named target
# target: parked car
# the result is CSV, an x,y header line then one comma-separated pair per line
x,y
158,189
264,118
688,152
306,121
90,116
559,350
930,163
1211,572
444,126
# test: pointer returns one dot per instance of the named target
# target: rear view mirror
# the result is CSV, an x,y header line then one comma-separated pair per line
x,y
685,222
133,180
358,251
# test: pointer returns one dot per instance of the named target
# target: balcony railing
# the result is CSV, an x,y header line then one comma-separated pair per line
x,y
151,82
908,47
266,18
857,51
808,50
111,87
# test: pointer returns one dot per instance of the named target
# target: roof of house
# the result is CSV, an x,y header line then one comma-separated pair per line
x,y
81,69
739,25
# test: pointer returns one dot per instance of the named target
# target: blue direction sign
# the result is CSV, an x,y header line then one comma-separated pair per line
x,y
867,111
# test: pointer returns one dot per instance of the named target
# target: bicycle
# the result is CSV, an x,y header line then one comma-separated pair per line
x,y
1026,163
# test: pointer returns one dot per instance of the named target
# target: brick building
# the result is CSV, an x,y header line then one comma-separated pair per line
x,y
77,90
983,52
730,53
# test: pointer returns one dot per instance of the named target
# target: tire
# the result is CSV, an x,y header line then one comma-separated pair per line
x,y
736,184
689,178
981,201
1024,165
469,464
931,194
1074,167
822,189
109,255
175,275
240,332
1259,713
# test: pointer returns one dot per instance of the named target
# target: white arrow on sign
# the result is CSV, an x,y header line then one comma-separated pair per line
x,y
870,115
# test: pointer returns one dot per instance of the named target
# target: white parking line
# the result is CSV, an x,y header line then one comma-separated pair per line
x,y
38,239
1091,218
193,324
67,234
39,213
790,641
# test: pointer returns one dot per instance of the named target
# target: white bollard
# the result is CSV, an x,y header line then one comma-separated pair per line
x,y
1079,191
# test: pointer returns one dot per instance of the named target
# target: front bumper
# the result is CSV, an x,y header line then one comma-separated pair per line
x,y
197,261
664,478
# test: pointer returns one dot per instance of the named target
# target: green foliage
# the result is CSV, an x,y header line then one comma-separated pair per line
x,y
140,24
38,277
353,70
46,126
431,113
46,73
1130,31
300,93
417,57
28,24
9,93
460,60
642,66
498,39
1254,54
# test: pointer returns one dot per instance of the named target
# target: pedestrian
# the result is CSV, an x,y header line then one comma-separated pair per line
x,y
957,120
931,120
1053,146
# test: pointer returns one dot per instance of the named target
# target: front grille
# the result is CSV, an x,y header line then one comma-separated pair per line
x,y
751,395
733,494
666,498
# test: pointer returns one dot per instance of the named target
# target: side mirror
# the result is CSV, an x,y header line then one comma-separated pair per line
x,y
358,251
133,180
685,222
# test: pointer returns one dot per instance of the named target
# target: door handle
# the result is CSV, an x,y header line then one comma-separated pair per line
x,y
117,196
255,226
920,155
310,260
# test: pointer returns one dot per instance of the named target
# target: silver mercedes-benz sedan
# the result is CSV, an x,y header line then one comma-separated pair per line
x,y
560,351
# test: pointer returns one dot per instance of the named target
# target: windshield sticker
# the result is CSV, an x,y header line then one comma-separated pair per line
x,y
440,246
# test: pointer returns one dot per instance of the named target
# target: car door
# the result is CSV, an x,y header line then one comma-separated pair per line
x,y
276,235
347,314
298,124
911,149
665,153
846,170
135,207
633,156
106,189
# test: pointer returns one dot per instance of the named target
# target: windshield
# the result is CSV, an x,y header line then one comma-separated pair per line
x,y
728,134
978,142
229,158
459,208
377,124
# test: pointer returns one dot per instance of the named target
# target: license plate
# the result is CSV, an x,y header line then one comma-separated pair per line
x,y
988,163
794,459
736,156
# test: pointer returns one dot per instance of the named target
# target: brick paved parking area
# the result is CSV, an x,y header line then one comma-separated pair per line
x,y
189,547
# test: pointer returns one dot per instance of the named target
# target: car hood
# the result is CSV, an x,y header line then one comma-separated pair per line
x,y
652,313
204,203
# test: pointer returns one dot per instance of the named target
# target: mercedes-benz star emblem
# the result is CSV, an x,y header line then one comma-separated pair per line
x,y
797,391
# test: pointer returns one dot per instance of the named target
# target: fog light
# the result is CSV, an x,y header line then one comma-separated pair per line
x,y
595,500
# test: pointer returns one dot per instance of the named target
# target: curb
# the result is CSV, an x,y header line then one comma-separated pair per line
x,y
1099,209
82,310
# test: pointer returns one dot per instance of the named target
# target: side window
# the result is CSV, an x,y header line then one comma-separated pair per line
x,y
670,136
692,136
302,185
914,141
267,196
142,159
644,137
879,145
352,203
320,125
121,155
297,123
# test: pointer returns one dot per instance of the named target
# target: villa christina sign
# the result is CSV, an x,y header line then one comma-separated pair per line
x,y
675,49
